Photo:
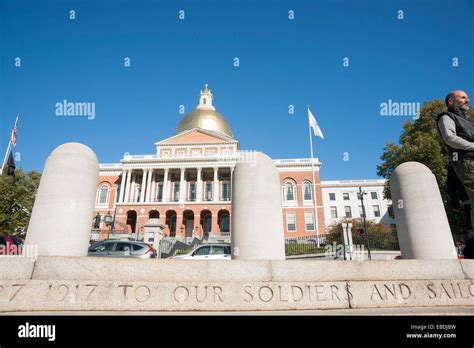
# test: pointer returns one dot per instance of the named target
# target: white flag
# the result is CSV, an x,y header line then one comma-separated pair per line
x,y
314,125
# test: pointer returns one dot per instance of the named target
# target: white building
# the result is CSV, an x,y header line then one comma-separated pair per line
x,y
341,201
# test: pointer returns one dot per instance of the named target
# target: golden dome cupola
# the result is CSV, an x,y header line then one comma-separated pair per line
x,y
205,116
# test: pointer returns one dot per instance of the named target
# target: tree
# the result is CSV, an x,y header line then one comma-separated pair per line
x,y
421,142
381,236
17,195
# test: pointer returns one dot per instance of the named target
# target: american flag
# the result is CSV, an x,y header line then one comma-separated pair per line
x,y
13,136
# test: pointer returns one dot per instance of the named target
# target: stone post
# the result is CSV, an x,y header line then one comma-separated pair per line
x,y
422,225
62,215
257,218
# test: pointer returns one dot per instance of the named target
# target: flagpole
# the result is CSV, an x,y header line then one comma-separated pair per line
x,y
9,145
5,158
314,183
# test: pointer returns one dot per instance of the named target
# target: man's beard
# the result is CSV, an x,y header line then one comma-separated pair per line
x,y
460,109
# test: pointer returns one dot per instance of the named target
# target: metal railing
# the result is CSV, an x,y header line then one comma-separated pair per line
x,y
304,245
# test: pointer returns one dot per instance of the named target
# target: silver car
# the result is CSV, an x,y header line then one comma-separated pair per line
x,y
215,251
122,248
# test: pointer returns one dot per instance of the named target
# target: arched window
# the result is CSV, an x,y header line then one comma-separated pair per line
x,y
290,191
307,191
171,222
153,214
103,193
173,225
224,221
207,223
132,220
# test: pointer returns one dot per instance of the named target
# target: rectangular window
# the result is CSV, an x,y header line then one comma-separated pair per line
x,y
333,212
208,192
159,195
192,191
332,196
376,211
176,191
373,195
390,211
309,220
290,222
347,210
361,211
225,191
345,196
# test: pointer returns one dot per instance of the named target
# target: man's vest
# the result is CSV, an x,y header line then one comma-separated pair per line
x,y
464,129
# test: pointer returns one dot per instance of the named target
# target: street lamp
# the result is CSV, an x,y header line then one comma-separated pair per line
x,y
108,221
361,197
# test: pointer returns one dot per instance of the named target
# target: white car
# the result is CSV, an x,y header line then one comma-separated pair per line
x,y
208,252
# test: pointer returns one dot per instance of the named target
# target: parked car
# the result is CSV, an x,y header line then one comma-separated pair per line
x,y
10,245
215,251
122,248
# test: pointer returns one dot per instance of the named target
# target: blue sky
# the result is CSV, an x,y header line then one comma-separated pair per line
x,y
282,62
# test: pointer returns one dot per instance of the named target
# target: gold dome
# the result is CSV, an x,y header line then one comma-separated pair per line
x,y
205,117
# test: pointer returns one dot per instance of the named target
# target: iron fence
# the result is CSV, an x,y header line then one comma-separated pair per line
x,y
304,245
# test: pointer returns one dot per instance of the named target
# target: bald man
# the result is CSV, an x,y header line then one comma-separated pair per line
x,y
458,136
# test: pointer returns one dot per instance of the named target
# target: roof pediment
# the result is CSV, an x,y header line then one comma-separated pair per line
x,y
197,136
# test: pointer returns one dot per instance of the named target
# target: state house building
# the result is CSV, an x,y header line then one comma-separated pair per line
x,y
187,182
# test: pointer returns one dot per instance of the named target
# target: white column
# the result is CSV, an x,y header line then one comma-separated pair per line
x,y
182,187
216,185
231,181
127,187
65,198
133,188
199,185
262,236
142,187
428,237
153,187
123,183
148,185
165,186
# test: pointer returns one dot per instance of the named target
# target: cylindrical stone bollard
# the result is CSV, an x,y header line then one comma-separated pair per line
x,y
257,218
61,220
422,225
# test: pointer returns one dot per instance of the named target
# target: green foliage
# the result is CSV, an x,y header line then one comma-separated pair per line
x,y
421,142
17,195
381,236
